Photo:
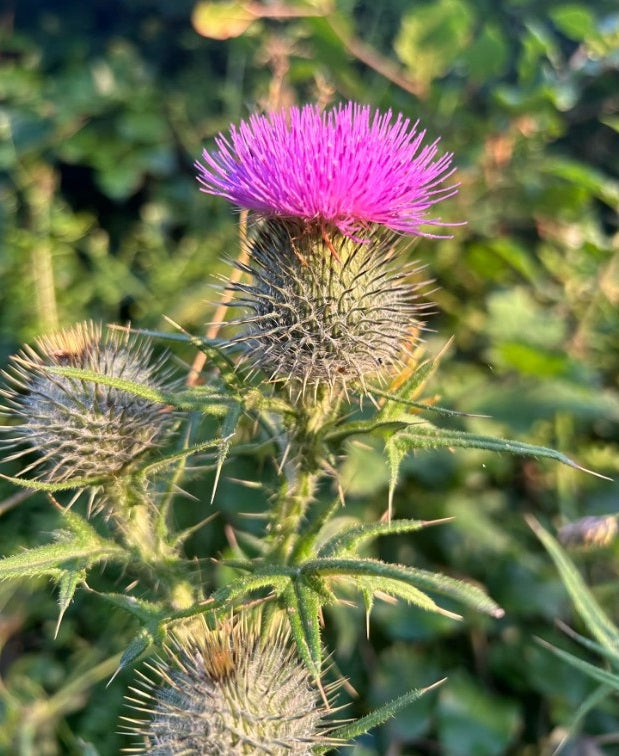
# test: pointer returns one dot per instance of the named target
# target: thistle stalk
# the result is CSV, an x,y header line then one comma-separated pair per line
x,y
302,470
135,519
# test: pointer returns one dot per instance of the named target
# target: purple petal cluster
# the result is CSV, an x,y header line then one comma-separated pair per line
x,y
350,167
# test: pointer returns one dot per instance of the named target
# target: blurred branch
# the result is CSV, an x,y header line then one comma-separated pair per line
x,y
375,60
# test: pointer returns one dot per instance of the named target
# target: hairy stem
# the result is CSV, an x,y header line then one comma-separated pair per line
x,y
135,518
301,472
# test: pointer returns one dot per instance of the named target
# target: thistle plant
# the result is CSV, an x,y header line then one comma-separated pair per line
x,y
324,347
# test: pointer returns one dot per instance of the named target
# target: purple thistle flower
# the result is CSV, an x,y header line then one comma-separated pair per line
x,y
349,167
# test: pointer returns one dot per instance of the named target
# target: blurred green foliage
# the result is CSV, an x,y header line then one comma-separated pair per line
x,y
104,106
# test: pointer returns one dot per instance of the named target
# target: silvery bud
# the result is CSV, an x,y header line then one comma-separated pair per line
x,y
324,309
228,691
79,428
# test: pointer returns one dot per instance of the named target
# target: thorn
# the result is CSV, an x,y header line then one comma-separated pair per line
x,y
114,676
231,537
440,521
254,484
284,458
329,243
220,464
186,494
390,503
386,516
437,684
60,616
323,694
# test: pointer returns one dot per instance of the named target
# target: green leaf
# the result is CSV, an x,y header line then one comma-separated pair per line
x,y
305,545
598,623
206,400
223,20
431,37
597,673
131,387
362,427
488,55
585,177
360,726
396,449
80,551
590,703
612,654
368,584
575,21
467,593
67,485
427,436
67,585
472,720
134,650
351,538
395,400
147,612
411,387
242,587
170,459
303,611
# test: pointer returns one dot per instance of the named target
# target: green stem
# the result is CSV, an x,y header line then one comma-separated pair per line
x,y
135,517
295,495
301,472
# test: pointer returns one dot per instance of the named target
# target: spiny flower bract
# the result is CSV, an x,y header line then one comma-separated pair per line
x,y
79,428
315,318
349,167
228,691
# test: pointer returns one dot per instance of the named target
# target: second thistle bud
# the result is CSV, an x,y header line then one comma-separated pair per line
x,y
323,308
79,428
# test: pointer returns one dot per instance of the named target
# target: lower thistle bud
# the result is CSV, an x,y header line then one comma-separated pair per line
x,y
325,310
233,690
80,428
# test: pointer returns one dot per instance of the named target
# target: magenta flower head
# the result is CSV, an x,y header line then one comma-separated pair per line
x,y
350,167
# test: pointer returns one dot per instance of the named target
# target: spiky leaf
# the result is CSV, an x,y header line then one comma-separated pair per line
x,y
382,714
467,593
597,673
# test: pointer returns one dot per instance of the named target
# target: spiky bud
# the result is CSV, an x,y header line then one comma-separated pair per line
x,y
324,309
228,691
79,428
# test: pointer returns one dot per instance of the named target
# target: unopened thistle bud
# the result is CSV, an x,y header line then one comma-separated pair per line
x,y
325,309
228,691
589,532
78,428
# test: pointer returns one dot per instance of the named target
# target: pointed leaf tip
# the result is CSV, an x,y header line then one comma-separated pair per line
x,y
135,649
383,713
67,584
